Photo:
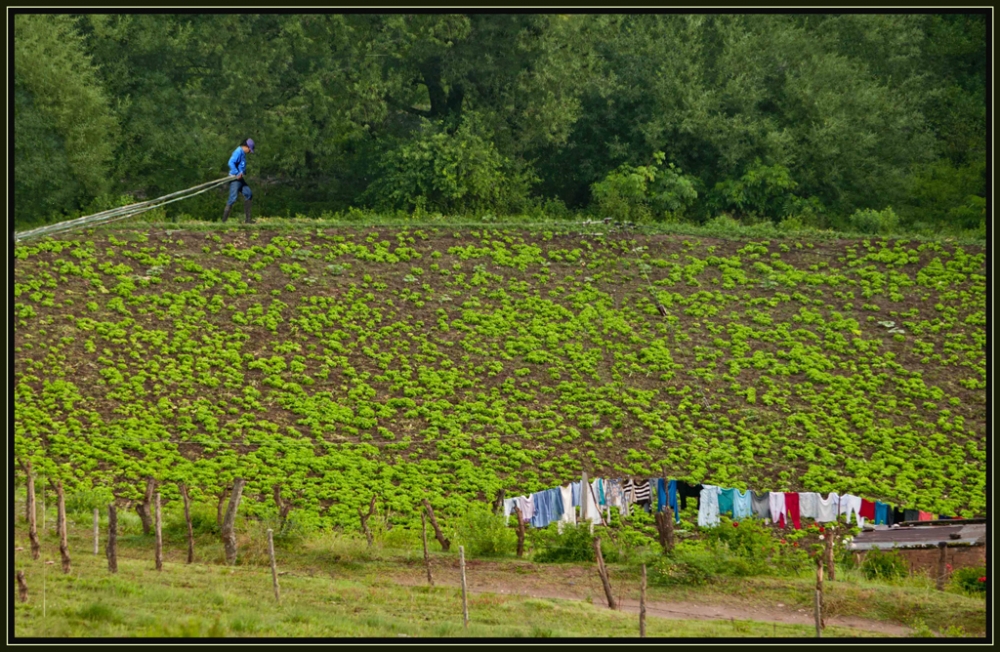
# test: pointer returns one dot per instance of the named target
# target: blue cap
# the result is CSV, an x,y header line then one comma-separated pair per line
x,y
250,143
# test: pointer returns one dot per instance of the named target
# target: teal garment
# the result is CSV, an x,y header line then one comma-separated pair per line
x,y
742,504
726,499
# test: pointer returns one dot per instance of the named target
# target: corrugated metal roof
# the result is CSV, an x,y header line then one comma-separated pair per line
x,y
920,537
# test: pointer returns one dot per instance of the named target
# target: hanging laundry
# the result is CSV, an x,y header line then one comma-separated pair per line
x,y
726,501
569,513
881,513
594,515
924,516
685,491
827,508
911,515
792,509
642,494
898,515
809,504
708,506
672,499
867,509
599,488
575,487
777,501
508,507
527,507
618,498
661,494
760,503
742,505
850,504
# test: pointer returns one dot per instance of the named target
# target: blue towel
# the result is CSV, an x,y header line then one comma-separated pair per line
x,y
726,500
661,494
881,513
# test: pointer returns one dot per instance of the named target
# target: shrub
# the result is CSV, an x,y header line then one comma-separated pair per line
x,y
485,534
971,580
574,543
874,222
883,565
645,192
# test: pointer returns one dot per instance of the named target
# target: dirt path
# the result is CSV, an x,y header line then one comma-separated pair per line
x,y
574,583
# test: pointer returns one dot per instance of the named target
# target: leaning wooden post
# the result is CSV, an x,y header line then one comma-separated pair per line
x,y
520,532
642,604
603,572
229,522
158,529
942,565
445,543
97,531
22,587
61,526
187,518
427,558
112,546
465,599
36,546
274,564
143,508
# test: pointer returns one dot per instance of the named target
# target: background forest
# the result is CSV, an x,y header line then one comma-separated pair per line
x,y
864,122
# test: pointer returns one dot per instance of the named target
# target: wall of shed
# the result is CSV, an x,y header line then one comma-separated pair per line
x,y
925,560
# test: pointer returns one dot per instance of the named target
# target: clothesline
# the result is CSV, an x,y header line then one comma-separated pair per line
x,y
559,504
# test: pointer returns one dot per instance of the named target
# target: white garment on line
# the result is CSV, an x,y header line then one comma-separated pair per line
x,y
508,507
569,512
526,506
777,500
808,504
827,508
851,504
594,516
708,506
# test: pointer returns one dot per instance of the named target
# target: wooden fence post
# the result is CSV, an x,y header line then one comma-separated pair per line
x,y
427,558
187,519
274,564
145,507
158,525
942,565
22,587
818,607
364,521
642,604
229,522
520,531
445,543
36,546
603,572
831,534
665,528
465,600
112,546
61,526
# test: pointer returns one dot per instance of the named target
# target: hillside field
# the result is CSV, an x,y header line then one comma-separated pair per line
x,y
447,364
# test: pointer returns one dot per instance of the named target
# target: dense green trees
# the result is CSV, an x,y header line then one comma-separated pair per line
x,y
769,116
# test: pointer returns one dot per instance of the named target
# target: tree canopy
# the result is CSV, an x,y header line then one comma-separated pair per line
x,y
764,116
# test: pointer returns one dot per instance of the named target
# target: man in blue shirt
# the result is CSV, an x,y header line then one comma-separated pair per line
x,y
237,166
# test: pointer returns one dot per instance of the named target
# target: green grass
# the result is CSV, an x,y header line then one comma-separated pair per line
x,y
336,586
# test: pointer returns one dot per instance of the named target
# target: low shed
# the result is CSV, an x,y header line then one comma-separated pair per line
x,y
964,544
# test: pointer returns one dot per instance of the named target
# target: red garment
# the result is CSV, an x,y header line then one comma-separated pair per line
x,y
792,508
925,516
867,509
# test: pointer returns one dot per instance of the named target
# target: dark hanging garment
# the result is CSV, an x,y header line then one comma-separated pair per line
x,y
685,491
642,494
760,504
911,515
898,515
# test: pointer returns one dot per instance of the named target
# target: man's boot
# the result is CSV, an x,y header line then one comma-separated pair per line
x,y
246,211
225,213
